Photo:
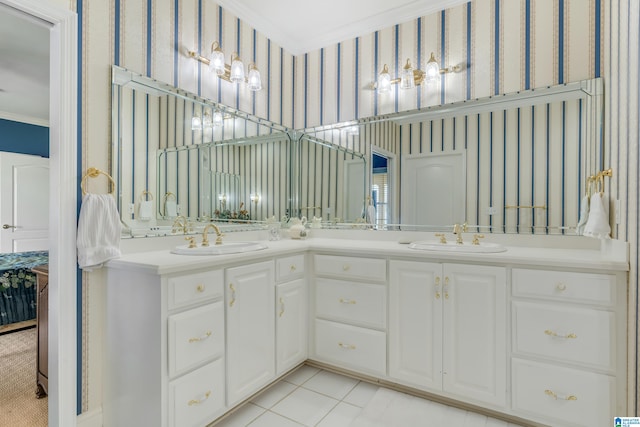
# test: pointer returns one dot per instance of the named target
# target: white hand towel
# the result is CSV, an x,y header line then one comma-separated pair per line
x,y
98,231
584,216
171,209
598,222
146,209
371,215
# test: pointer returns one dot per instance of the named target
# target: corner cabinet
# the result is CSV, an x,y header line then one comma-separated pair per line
x,y
447,329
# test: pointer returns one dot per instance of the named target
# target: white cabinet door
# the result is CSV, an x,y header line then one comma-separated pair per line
x,y
415,323
474,334
249,297
291,324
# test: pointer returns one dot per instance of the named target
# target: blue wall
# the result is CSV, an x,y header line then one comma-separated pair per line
x,y
16,137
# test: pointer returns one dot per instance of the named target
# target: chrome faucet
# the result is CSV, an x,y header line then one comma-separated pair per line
x,y
180,223
205,237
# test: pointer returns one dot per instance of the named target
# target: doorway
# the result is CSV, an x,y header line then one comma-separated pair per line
x,y
381,191
63,183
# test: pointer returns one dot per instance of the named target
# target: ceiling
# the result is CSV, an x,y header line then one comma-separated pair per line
x,y
301,26
24,68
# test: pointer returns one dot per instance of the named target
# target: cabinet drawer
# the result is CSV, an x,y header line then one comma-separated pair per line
x,y
358,348
566,333
565,396
198,397
193,288
195,336
566,286
359,303
289,268
351,267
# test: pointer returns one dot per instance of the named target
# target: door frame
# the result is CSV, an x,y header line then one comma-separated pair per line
x,y
63,209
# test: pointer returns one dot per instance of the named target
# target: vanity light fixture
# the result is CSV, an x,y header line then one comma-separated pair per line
x,y
411,77
233,73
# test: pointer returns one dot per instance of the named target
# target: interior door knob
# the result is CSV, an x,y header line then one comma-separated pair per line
x,y
6,226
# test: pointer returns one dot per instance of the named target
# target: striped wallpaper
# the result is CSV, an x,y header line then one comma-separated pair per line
x,y
507,45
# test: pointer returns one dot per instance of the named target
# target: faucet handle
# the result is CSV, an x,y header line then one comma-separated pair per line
x,y
192,242
476,238
442,237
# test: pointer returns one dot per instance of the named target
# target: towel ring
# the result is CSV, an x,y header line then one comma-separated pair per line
x,y
146,193
94,173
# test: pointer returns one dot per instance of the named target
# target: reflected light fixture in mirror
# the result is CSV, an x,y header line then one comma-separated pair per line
x,y
411,77
233,73
255,199
222,198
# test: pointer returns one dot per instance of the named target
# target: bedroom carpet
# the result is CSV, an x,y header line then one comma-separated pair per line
x,y
19,406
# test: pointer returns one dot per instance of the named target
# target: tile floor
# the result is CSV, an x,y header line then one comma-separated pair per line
x,y
308,397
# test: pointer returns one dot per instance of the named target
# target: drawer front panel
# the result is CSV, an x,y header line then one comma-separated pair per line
x,y
564,396
289,268
565,286
359,303
565,333
349,346
351,267
195,336
193,288
197,398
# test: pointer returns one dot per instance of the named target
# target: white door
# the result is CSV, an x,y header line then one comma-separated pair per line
x,y
415,323
354,190
291,324
433,189
24,206
474,336
249,297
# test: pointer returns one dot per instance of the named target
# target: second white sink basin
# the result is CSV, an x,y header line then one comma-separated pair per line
x,y
435,245
223,249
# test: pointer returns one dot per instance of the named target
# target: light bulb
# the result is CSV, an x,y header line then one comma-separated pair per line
x,y
384,80
407,81
216,59
237,69
432,70
217,118
255,82
196,123
206,122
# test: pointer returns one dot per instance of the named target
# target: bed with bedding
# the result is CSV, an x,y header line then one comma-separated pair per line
x,y
18,286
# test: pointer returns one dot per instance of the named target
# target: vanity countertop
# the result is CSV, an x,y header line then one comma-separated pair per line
x,y
594,260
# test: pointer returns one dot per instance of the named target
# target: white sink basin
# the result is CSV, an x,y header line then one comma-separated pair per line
x,y
435,245
223,249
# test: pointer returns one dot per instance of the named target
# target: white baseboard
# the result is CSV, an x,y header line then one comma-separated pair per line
x,y
90,419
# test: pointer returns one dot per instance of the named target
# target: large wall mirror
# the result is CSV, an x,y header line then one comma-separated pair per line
x,y
514,163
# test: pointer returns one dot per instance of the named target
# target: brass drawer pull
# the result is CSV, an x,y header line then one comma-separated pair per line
x,y
556,335
446,287
556,396
561,287
233,294
347,346
346,267
292,268
347,301
193,402
202,338
437,287
281,307
200,288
